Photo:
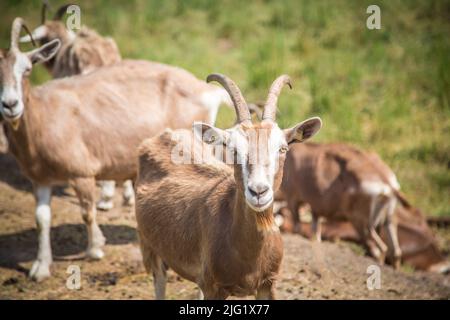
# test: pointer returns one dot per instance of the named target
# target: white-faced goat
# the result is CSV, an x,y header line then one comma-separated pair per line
x,y
210,222
81,53
79,129
340,182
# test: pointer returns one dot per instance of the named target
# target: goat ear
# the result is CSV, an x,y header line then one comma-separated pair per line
x,y
303,131
209,134
44,53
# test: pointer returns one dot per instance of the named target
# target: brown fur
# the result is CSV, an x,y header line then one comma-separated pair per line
x,y
417,242
79,129
195,220
102,124
81,55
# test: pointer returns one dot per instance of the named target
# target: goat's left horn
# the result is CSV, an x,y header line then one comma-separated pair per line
x,y
17,26
270,108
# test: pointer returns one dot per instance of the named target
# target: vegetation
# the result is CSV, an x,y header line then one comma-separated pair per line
x,y
385,90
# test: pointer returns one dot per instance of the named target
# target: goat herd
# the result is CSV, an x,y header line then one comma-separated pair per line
x,y
106,119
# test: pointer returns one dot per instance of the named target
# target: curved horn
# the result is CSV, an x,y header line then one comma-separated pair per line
x,y
270,108
242,111
44,9
61,11
17,26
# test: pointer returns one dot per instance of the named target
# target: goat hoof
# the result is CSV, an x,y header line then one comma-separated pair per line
x,y
95,253
105,205
39,271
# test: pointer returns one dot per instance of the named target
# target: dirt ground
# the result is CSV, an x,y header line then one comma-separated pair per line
x,y
309,271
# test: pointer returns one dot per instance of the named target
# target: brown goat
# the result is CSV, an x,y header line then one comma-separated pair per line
x,y
210,222
417,242
79,129
81,52
340,182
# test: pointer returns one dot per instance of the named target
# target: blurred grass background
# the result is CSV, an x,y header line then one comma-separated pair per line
x,y
384,90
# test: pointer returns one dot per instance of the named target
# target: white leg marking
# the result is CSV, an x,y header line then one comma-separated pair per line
x,y
128,193
96,240
41,267
106,196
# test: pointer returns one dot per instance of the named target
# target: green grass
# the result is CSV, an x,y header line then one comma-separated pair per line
x,y
385,90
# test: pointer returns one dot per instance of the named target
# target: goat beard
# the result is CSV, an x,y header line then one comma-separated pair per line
x,y
265,222
15,124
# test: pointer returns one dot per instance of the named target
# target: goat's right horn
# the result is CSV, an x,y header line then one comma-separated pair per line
x,y
242,111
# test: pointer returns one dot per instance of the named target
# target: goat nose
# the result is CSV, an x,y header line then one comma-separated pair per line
x,y
258,189
9,104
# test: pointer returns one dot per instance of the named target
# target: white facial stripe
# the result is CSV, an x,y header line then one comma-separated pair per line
x,y
261,173
13,91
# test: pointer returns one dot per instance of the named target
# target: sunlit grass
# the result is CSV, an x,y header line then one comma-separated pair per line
x,y
386,90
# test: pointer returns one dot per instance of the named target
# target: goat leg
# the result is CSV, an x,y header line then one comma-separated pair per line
x,y
41,267
85,190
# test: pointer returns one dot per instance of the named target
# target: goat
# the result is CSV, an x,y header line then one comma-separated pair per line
x,y
417,243
85,128
81,53
340,182
210,222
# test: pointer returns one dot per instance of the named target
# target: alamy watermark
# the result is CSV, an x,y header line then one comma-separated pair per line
x,y
374,20
374,280
229,147
73,21
73,281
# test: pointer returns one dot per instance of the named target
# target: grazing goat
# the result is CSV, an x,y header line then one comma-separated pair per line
x,y
85,128
340,182
81,53
210,222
